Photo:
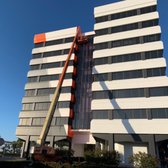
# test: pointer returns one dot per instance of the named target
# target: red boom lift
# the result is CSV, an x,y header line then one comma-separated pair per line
x,y
41,151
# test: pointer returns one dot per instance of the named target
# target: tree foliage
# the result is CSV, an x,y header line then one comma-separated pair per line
x,y
143,160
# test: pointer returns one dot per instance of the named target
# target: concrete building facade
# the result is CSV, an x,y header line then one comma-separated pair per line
x,y
115,91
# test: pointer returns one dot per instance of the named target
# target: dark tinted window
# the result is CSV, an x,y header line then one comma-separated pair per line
x,y
55,53
150,23
42,106
38,45
34,56
100,77
125,93
150,38
62,120
34,67
101,114
32,79
148,9
161,91
129,114
65,104
55,64
101,32
159,113
49,77
127,75
101,46
30,92
54,42
156,72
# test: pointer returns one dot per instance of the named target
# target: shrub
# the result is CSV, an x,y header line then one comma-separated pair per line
x,y
143,160
102,157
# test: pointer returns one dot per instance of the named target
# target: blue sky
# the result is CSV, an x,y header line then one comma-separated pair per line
x,y
19,21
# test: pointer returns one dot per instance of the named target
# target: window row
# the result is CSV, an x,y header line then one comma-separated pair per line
x,y
50,65
130,41
48,78
127,27
131,114
55,121
127,93
54,42
129,74
40,121
44,105
50,54
46,91
129,57
125,14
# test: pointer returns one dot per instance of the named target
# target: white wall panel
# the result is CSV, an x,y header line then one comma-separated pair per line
x,y
127,66
131,83
122,6
50,71
51,48
62,97
130,103
60,34
128,49
50,59
47,84
61,112
138,126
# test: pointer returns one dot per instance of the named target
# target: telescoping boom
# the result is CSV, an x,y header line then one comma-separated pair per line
x,y
78,40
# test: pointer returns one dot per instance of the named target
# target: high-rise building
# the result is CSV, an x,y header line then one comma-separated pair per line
x,y
115,91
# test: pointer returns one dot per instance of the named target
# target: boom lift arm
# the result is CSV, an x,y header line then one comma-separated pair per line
x,y
78,39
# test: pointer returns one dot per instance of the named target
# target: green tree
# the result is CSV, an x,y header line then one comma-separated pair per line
x,y
16,145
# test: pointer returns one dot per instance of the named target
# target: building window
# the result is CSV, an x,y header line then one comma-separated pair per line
x,y
39,45
129,114
34,67
45,91
38,121
54,42
49,77
156,72
42,106
24,121
30,92
148,9
34,56
63,104
159,113
100,114
27,106
113,94
159,91
62,120
127,75
32,79
48,91
55,64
